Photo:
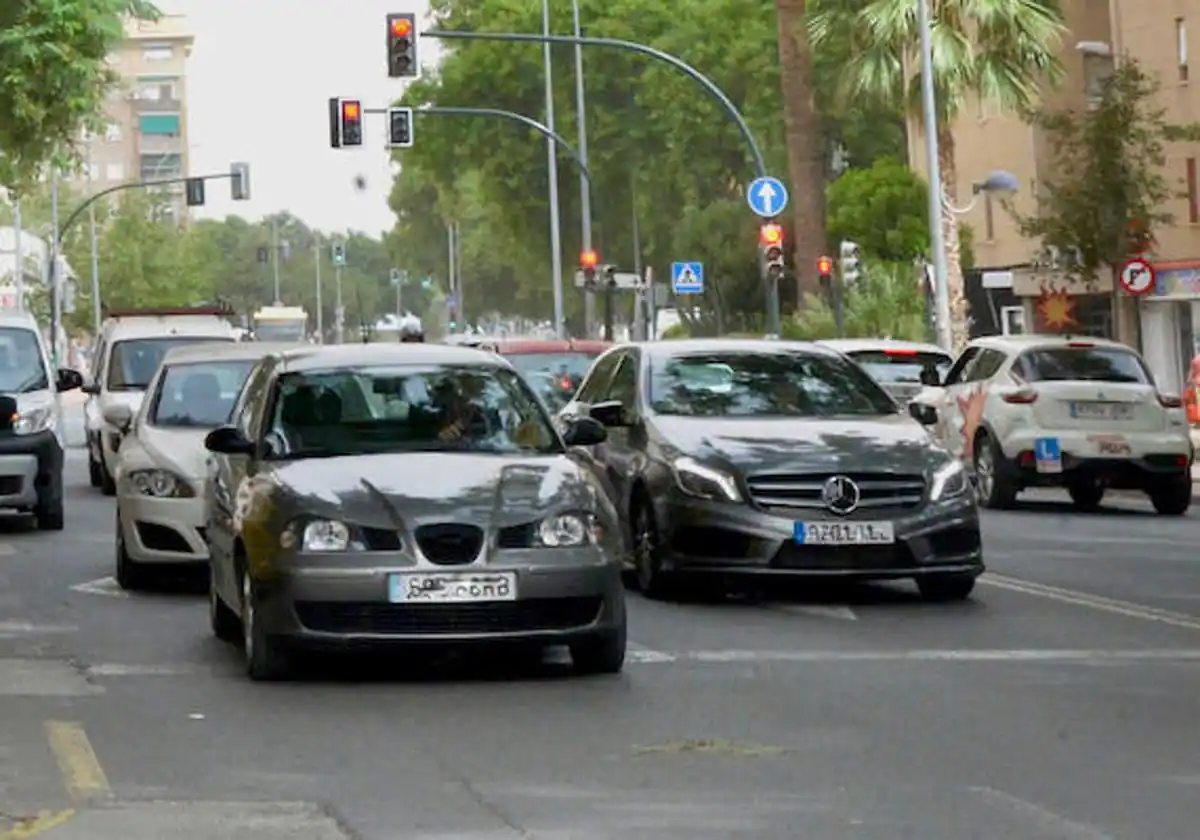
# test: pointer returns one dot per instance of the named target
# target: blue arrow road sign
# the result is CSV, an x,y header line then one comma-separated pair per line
x,y
687,278
767,196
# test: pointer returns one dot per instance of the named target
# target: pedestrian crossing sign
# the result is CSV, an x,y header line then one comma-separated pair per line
x,y
687,278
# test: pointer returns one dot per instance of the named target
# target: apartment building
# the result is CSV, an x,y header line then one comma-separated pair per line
x,y
1166,322
146,136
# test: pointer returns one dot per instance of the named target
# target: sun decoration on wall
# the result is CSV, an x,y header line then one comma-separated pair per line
x,y
1055,310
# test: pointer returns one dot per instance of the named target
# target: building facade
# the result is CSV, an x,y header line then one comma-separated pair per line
x,y
1165,323
146,136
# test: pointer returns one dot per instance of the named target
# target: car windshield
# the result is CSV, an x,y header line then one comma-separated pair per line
x,y
555,376
408,408
198,395
22,367
767,384
901,367
1081,364
135,361
280,331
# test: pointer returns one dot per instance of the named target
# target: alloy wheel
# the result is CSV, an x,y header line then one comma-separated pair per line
x,y
985,473
248,617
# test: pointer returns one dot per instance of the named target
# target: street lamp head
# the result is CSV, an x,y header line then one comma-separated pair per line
x,y
999,181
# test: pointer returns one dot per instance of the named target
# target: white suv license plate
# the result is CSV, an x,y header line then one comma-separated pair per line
x,y
1101,411
452,587
845,533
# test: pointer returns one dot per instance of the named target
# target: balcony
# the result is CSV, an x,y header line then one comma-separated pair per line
x,y
160,144
158,106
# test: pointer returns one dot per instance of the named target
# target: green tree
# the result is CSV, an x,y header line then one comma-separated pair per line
x,y
55,78
887,302
1105,192
883,209
1001,51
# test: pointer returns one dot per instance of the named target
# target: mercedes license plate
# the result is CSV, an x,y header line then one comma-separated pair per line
x,y
845,533
452,587
1101,411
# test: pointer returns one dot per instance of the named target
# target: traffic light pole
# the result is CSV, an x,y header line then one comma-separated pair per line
x,y
629,46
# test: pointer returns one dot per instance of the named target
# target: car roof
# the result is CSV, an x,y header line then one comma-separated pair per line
x,y
859,345
1028,341
533,346
14,318
225,351
697,346
187,326
320,357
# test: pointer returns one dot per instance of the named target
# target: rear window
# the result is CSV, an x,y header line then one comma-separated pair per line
x,y
572,365
901,366
1081,364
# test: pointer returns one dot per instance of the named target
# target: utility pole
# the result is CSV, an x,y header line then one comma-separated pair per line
x,y
96,316
641,313
275,258
320,305
55,281
19,257
585,186
556,267
937,236
451,273
339,328
458,273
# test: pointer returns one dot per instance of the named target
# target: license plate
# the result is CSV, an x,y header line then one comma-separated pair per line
x,y
452,588
1101,411
1112,445
845,533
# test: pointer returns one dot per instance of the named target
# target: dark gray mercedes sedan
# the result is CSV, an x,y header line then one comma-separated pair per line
x,y
382,494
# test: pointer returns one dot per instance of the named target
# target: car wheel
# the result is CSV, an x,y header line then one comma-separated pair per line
x,y
602,653
1174,498
131,575
265,660
107,486
652,581
95,472
225,624
993,488
49,511
949,587
1086,494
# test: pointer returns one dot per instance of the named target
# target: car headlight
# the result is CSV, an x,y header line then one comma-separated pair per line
x,y
321,535
160,484
35,420
568,530
948,480
695,479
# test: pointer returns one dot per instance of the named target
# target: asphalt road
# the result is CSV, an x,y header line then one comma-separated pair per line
x,y
1060,703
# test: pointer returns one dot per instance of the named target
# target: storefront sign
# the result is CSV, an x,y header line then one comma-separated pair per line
x,y
1178,283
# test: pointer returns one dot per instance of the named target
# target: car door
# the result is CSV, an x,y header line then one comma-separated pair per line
x,y
965,399
594,386
620,455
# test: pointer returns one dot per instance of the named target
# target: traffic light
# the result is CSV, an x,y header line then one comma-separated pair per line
x,y
770,240
402,46
263,254
609,273
195,192
851,262
350,120
338,253
239,181
400,128
825,268
587,264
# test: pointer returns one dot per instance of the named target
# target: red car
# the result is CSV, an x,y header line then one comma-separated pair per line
x,y
554,368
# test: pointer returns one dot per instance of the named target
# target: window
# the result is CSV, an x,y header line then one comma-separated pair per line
x,y
989,218
197,395
624,384
1082,363
154,167
22,366
134,362
555,376
158,52
1181,48
160,125
954,377
596,385
112,132
91,171
985,366
115,172
1192,199
900,368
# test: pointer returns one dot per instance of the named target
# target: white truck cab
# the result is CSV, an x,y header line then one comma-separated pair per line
x,y
128,351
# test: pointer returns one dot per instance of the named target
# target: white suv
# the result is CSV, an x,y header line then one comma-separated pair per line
x,y
1059,411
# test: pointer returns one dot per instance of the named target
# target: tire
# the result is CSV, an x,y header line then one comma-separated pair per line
x,y
225,623
49,514
1087,494
948,587
993,488
1173,499
131,575
95,472
266,661
107,485
652,581
602,653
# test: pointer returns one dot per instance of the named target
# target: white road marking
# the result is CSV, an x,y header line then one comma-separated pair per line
x,y
28,628
7,549
842,613
644,655
1086,539
1045,820
101,586
1096,602
940,655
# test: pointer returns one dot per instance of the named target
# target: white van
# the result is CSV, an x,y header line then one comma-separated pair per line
x,y
31,444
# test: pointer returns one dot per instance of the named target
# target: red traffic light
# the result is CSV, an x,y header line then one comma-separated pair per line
x,y
589,259
351,110
824,266
770,234
401,27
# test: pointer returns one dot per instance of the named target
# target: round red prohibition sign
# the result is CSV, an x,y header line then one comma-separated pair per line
x,y
1137,277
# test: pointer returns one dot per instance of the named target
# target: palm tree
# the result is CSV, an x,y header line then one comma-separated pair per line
x,y
999,51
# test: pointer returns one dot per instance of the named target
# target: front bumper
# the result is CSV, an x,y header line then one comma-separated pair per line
x,y
341,600
30,467
159,530
739,539
1129,461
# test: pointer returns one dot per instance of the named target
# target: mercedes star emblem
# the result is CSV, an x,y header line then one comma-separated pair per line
x,y
841,495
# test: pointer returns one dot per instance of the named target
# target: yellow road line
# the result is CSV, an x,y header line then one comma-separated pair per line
x,y
40,824
81,771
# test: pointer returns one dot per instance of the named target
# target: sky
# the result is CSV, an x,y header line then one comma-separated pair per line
x,y
259,80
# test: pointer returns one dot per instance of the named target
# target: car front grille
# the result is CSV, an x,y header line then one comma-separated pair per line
x,y
375,618
450,544
803,490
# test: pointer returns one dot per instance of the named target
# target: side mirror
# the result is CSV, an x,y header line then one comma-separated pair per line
x,y
119,416
90,388
610,414
68,380
930,377
926,415
585,431
227,440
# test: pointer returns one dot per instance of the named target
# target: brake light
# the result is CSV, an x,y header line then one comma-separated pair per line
x,y
1168,401
565,384
895,352
1080,345
1025,396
